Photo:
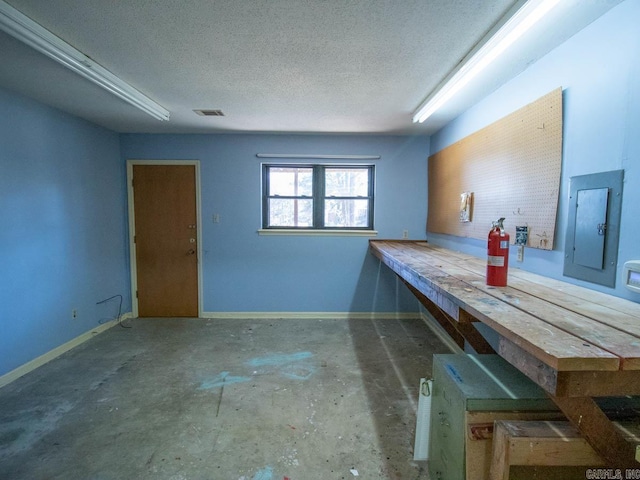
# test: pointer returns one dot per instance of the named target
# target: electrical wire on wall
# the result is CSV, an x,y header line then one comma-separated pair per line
x,y
119,317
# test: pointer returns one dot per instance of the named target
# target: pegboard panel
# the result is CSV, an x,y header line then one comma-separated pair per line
x,y
512,167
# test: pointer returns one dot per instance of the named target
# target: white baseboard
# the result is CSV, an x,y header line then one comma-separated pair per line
x,y
56,352
312,315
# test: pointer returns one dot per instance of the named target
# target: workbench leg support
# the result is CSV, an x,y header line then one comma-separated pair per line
x,y
585,414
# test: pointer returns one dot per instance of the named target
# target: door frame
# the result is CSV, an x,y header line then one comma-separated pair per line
x,y
132,226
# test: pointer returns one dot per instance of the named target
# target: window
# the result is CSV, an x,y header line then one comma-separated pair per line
x,y
317,197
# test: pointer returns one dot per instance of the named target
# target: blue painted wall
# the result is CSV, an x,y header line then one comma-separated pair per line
x,y
63,242
246,272
63,236
599,70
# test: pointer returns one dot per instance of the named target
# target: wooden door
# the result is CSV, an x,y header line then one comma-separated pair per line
x,y
165,240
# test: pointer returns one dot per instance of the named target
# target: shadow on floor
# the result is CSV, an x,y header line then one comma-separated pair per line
x,y
393,355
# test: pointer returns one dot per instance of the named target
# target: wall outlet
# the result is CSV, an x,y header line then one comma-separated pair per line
x,y
520,257
405,233
216,218
74,313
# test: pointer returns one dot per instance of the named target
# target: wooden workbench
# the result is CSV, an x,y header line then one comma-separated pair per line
x,y
574,342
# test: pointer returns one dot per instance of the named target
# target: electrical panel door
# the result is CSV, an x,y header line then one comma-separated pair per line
x,y
591,227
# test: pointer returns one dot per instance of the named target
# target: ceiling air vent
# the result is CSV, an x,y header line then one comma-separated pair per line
x,y
210,113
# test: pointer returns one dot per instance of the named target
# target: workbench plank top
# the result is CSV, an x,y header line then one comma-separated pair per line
x,y
556,322
614,311
548,305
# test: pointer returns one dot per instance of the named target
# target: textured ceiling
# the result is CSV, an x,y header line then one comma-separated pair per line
x,y
272,65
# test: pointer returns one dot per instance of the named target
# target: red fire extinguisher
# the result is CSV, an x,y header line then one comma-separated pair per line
x,y
497,255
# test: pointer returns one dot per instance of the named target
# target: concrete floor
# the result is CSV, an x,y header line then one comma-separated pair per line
x,y
223,399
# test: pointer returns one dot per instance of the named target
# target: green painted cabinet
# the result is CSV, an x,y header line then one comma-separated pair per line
x,y
469,393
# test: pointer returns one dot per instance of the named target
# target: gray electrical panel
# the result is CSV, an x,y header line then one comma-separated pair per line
x,y
591,248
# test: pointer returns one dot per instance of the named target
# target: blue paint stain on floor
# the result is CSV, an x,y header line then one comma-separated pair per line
x,y
222,379
298,372
279,359
264,474
293,366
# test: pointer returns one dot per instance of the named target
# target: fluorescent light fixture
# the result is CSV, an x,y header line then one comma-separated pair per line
x,y
527,16
31,33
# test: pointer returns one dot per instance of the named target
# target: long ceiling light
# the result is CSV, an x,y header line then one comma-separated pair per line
x,y
527,16
31,33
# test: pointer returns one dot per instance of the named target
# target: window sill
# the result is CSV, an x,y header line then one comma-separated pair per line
x,y
318,232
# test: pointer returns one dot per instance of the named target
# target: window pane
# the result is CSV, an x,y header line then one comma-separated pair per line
x,y
346,213
290,181
290,212
346,182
